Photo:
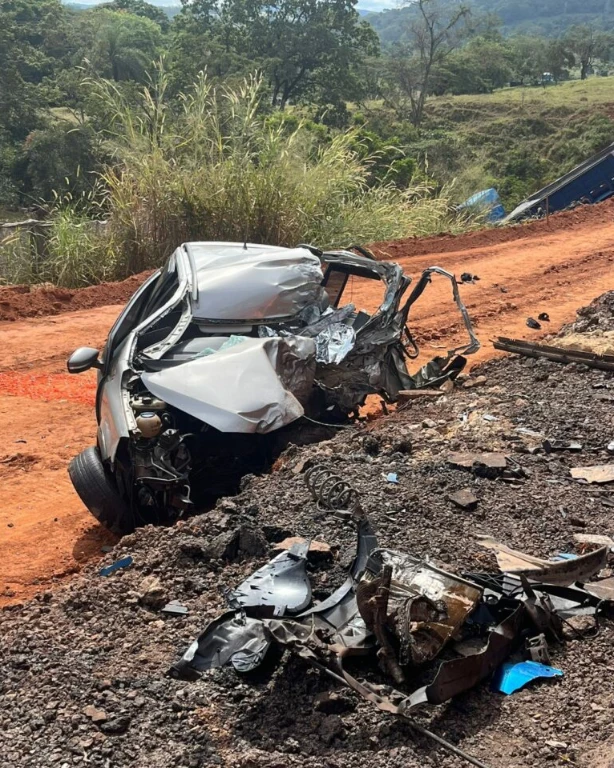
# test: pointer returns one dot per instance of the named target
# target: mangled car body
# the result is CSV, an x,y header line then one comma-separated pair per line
x,y
220,353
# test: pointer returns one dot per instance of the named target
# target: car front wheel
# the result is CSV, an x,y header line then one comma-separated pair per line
x,y
97,490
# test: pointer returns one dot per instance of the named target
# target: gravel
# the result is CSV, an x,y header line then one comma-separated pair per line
x,y
84,668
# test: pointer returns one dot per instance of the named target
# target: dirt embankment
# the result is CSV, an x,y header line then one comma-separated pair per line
x,y
84,668
47,416
19,301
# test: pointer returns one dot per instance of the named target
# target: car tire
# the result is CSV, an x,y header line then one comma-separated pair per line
x,y
98,491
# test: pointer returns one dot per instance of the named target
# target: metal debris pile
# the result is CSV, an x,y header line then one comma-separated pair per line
x,y
434,634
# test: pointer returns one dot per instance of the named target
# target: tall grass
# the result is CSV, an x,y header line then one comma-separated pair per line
x,y
211,167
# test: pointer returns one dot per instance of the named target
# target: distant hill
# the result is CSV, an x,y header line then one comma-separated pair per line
x,y
549,18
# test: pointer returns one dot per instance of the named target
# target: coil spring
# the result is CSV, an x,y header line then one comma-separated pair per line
x,y
330,490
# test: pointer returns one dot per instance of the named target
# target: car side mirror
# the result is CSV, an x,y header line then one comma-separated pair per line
x,y
83,359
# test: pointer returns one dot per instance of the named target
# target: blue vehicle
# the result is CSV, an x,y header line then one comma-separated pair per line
x,y
590,182
487,202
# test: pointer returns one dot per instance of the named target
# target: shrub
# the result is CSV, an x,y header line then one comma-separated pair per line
x,y
217,168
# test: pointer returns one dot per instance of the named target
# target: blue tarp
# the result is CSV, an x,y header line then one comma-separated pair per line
x,y
488,201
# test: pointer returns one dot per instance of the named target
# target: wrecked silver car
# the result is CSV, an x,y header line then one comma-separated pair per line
x,y
223,354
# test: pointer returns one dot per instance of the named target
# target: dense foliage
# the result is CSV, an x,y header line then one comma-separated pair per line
x,y
343,126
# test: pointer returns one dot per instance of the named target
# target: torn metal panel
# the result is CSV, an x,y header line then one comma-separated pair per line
x,y
512,677
418,290
602,473
423,626
595,538
566,601
459,675
281,586
333,344
232,638
562,572
468,460
252,387
603,589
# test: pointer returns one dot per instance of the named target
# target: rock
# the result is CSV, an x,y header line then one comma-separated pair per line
x,y
152,593
319,551
429,424
334,703
464,499
470,383
244,540
192,546
94,714
401,445
331,728
575,625
116,726
370,445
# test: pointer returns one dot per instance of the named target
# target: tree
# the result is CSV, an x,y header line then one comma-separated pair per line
x,y
304,47
143,9
433,34
588,45
558,59
60,157
119,45
480,66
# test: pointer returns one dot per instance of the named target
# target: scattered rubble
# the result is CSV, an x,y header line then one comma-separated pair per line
x,y
465,499
88,645
603,473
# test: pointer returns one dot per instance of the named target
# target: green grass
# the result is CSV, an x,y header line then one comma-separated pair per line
x,y
574,93
516,139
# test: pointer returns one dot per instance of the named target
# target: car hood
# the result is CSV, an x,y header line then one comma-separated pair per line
x,y
254,386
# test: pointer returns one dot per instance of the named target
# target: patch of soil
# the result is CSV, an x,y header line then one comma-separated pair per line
x,y
84,668
18,301
581,216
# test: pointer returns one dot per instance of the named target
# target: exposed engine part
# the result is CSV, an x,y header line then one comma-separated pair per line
x,y
149,424
145,403
161,468
331,490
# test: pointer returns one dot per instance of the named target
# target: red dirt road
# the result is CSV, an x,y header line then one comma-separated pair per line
x,y
46,416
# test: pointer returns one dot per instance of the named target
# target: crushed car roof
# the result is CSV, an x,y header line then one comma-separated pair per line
x,y
244,281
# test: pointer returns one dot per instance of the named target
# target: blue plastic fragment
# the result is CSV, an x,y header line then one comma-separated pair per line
x,y
566,556
109,569
392,478
511,677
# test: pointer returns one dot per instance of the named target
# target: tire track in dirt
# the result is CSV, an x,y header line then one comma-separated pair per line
x,y
47,416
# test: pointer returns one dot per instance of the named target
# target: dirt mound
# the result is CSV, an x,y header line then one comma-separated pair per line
x,y
89,680
597,316
18,301
445,243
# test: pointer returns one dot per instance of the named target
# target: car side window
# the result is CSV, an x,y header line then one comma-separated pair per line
x,y
131,316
